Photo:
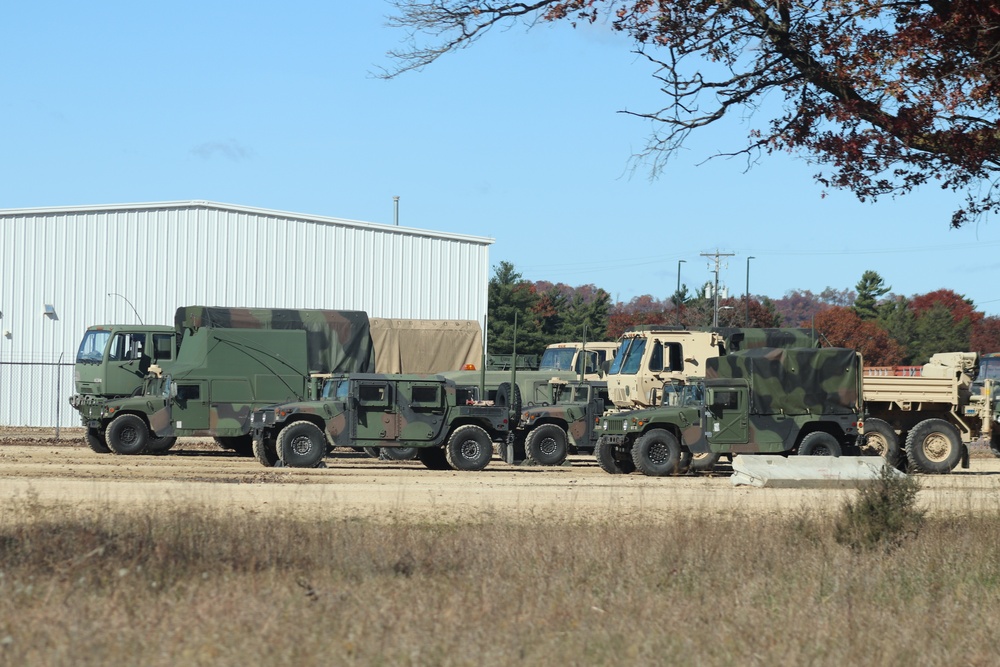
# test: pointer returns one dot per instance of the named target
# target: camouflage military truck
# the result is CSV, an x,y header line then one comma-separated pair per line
x,y
546,433
766,400
431,413
653,355
219,377
112,361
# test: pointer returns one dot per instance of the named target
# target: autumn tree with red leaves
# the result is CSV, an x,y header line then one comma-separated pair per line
x,y
888,96
841,327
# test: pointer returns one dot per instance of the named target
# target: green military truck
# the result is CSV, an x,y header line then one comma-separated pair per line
x,y
221,374
113,361
806,401
547,433
440,418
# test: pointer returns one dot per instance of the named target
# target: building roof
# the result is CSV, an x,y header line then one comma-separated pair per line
x,y
263,212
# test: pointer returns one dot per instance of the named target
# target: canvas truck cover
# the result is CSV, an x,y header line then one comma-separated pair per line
x,y
738,338
795,381
338,341
425,346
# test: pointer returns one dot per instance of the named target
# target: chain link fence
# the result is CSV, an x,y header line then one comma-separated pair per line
x,y
35,394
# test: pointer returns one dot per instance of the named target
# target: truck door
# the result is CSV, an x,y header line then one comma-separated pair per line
x,y
128,362
189,408
421,409
726,410
374,415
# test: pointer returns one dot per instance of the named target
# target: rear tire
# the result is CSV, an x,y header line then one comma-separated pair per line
x,y
546,445
160,445
469,448
400,453
934,447
657,453
704,462
374,452
301,445
819,443
241,444
127,434
613,459
265,451
880,440
433,458
95,440
510,398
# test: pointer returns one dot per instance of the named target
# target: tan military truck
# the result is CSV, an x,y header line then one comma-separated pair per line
x,y
652,356
586,358
931,417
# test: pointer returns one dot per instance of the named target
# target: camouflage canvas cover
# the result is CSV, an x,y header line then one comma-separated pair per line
x,y
795,381
338,341
425,346
737,338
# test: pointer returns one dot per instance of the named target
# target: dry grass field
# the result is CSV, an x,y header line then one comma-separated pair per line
x,y
199,557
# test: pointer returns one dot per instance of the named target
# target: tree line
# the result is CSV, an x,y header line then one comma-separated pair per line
x,y
887,328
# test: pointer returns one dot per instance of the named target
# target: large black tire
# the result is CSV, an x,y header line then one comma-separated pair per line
x,y
127,434
934,447
95,440
613,460
241,444
433,458
510,399
703,462
374,452
469,448
399,453
819,443
995,444
880,440
301,445
265,451
160,445
547,445
657,453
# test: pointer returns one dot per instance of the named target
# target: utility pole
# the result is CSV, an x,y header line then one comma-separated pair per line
x,y
717,256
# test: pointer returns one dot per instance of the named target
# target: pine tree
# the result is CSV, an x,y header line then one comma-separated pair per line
x,y
870,289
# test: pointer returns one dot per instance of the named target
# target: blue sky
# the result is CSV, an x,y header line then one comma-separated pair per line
x,y
275,105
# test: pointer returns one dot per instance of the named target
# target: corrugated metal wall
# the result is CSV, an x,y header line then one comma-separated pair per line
x,y
161,256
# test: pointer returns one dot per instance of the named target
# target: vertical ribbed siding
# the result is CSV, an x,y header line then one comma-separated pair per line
x,y
159,257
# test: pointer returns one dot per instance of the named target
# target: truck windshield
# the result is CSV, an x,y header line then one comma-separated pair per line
x,y
92,347
628,360
989,368
682,395
557,359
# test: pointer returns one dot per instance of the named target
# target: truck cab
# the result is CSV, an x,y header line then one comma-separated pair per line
x,y
112,360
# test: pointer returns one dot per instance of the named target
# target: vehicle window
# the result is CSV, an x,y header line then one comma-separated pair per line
x,y
163,346
188,392
724,399
633,358
426,395
373,394
656,357
616,365
127,346
92,347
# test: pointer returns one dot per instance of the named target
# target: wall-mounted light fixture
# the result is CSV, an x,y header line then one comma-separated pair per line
x,y
50,312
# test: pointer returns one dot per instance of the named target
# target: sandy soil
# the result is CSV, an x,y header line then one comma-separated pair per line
x,y
65,472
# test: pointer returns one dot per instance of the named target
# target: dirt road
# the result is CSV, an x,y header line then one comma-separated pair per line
x,y
196,474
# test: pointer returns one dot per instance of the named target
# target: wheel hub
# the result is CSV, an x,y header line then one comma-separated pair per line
x,y
301,445
470,449
659,454
936,447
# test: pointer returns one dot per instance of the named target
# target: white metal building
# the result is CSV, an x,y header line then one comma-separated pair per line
x,y
64,269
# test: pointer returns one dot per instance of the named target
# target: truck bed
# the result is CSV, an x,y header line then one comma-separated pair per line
x,y
910,392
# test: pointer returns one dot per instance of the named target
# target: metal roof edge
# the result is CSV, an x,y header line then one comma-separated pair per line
x,y
197,203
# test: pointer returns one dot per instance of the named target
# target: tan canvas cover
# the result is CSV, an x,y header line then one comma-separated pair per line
x,y
425,346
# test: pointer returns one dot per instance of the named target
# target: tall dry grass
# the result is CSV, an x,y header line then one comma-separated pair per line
x,y
196,587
